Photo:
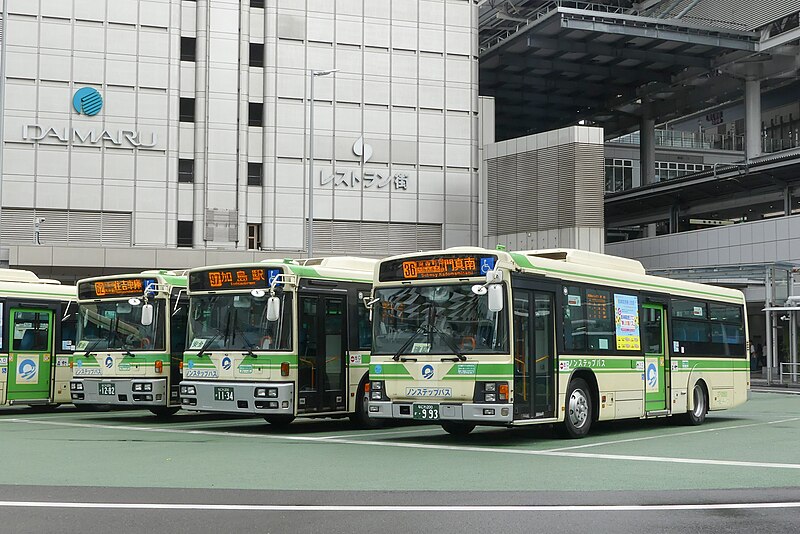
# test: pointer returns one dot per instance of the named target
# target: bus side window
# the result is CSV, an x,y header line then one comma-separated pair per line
x,y
364,328
177,341
69,334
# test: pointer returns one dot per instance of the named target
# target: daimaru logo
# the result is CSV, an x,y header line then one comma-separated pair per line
x,y
87,101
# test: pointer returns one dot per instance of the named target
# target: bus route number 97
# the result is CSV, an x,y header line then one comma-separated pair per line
x,y
426,412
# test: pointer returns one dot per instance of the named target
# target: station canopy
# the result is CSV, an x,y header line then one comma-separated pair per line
x,y
551,64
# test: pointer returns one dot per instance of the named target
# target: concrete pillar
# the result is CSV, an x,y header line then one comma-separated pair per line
x,y
647,150
200,127
752,118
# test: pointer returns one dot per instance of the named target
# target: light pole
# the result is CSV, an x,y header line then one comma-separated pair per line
x,y
4,31
314,74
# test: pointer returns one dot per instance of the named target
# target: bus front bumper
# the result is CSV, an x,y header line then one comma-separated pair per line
x,y
487,414
143,392
261,398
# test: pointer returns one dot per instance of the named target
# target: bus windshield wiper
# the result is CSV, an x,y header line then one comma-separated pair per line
x,y
450,342
91,347
208,343
127,352
423,329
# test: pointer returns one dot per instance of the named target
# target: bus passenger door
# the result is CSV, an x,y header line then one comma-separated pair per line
x,y
534,354
321,358
655,361
30,356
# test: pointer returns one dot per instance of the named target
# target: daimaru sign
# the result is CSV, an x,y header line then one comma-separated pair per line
x,y
88,101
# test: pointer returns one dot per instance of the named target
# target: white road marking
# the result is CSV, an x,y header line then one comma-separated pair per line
x,y
397,508
424,446
664,436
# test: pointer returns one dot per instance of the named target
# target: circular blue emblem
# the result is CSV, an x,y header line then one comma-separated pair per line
x,y
378,369
226,363
109,362
652,375
191,364
427,372
27,369
87,101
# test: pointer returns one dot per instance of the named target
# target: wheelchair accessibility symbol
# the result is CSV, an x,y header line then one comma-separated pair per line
x,y
487,264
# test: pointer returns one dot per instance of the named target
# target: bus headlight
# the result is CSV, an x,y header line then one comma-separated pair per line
x,y
272,393
188,390
376,390
491,392
76,386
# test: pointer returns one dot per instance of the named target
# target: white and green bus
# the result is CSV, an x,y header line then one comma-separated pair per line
x,y
280,339
469,336
37,337
131,337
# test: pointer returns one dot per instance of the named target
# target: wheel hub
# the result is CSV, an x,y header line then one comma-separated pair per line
x,y
578,408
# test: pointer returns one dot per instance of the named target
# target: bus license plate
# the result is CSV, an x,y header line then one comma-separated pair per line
x,y
223,394
106,389
426,412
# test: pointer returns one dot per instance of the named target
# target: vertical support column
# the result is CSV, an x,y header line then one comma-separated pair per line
x,y
768,304
752,118
793,344
200,130
647,149
787,202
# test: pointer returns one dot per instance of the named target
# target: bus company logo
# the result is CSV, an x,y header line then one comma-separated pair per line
x,y
427,372
378,369
191,364
87,101
652,375
27,369
109,362
226,363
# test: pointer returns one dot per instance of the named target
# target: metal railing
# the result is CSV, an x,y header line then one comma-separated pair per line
x,y
792,372
681,139
770,146
505,33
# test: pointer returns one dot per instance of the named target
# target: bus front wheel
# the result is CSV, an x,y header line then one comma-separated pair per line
x,y
360,417
697,415
164,411
457,429
279,420
578,409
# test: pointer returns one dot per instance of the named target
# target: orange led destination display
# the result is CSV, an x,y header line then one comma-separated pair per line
x,y
239,278
124,287
451,266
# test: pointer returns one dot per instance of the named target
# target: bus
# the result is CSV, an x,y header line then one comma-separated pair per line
x,y
470,336
37,337
280,339
131,338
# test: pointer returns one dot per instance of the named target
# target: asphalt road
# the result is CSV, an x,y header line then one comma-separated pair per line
x,y
130,472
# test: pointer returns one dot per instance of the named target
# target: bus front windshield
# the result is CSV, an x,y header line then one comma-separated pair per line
x,y
436,319
117,325
238,321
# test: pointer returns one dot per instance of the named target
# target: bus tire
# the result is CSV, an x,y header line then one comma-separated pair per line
x,y
578,410
697,414
279,421
360,418
457,428
165,411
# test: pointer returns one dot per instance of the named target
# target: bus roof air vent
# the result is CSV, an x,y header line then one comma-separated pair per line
x,y
590,259
18,275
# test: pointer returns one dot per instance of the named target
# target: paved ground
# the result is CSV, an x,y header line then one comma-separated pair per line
x,y
206,472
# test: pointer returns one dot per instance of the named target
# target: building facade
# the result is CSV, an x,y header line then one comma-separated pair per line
x,y
172,133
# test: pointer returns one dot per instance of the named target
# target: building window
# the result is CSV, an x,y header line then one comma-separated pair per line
x,y
256,55
667,170
619,174
185,234
254,237
255,174
188,45
257,3
256,115
186,111
185,171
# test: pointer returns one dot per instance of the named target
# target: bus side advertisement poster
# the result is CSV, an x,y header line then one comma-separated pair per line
x,y
431,267
233,278
626,321
122,287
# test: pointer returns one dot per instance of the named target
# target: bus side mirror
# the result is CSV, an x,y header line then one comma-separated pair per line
x,y
495,297
147,314
273,309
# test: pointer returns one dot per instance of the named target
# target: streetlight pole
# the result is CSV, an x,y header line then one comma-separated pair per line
x,y
314,74
4,30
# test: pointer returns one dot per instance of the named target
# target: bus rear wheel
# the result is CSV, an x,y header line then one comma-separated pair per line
x,y
279,421
697,415
457,429
578,410
360,418
164,411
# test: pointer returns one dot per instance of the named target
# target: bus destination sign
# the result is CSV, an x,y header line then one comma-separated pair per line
x,y
123,287
450,266
234,278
